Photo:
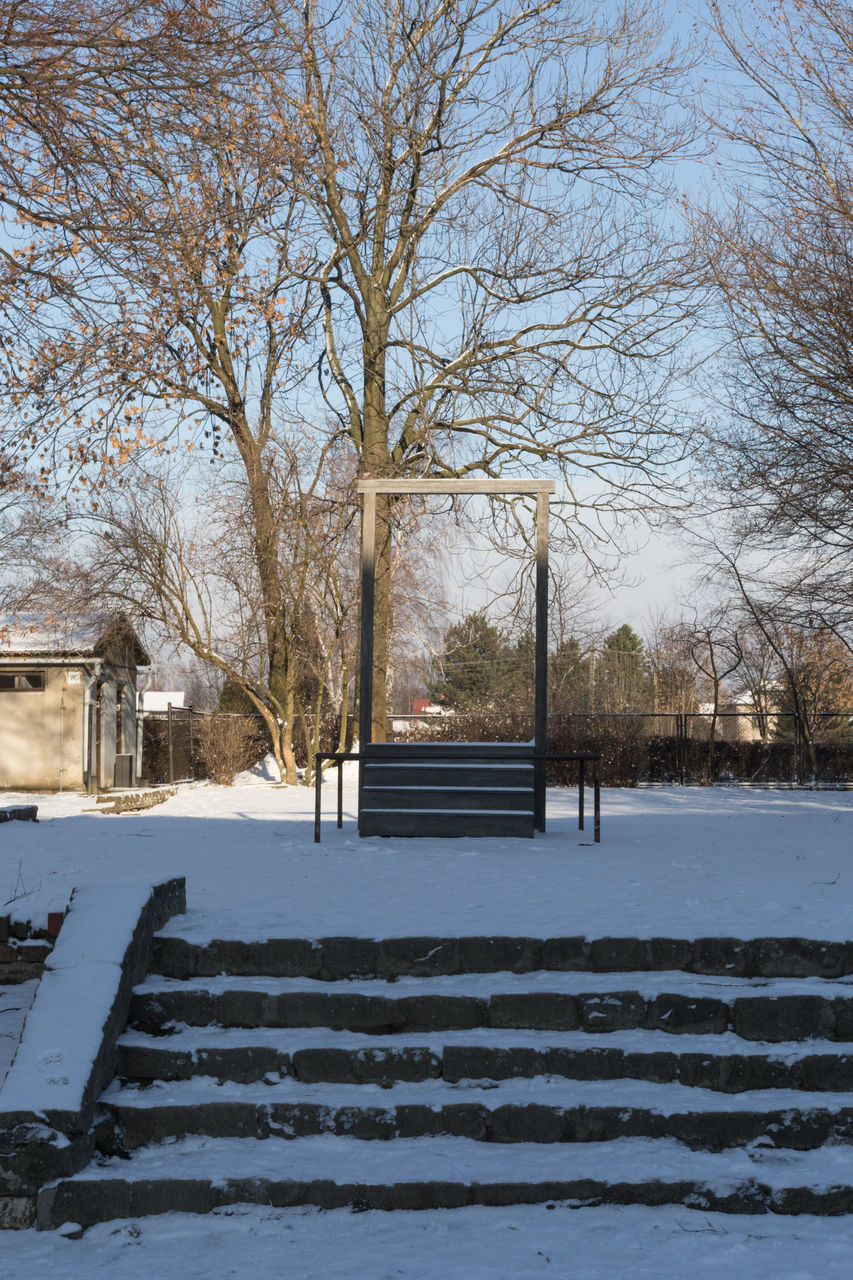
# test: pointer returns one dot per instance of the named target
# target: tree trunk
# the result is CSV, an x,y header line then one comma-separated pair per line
x,y
378,463
279,657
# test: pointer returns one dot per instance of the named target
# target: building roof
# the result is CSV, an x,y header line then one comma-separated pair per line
x,y
33,635
159,699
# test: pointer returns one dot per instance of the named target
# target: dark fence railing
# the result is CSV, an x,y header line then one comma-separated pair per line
x,y
173,744
576,760
637,748
642,748
169,751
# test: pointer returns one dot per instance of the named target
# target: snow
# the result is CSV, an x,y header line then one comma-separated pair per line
x,y
291,1039
663,1099
352,1160
461,1244
15,1001
30,633
72,1003
264,771
672,863
485,985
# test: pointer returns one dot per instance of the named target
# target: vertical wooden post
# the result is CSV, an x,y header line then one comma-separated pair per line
x,y
368,591
368,585
541,717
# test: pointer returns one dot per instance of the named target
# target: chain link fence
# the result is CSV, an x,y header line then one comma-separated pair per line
x,y
173,744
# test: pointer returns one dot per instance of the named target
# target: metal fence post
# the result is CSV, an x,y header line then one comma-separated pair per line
x,y
171,745
340,793
581,764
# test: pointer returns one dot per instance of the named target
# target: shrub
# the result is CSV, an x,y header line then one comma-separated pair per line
x,y
227,745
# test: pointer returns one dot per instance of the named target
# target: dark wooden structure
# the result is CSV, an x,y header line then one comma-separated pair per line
x,y
377,754
452,789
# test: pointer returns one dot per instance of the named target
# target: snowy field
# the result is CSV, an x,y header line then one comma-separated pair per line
x,y
677,863
673,862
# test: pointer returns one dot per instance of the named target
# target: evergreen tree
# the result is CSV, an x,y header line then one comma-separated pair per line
x,y
569,677
475,663
623,678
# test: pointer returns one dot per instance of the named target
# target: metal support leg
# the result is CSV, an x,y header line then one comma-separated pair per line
x,y
340,794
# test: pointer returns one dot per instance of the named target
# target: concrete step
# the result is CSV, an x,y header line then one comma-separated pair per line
x,y
772,1010
199,1175
444,798
425,1072
344,957
543,1109
724,1062
455,824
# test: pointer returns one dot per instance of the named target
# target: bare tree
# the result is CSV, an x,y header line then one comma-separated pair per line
x,y
180,557
159,310
670,658
813,666
498,285
470,199
759,675
715,648
780,250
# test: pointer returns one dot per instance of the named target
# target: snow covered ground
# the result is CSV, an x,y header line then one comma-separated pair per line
x,y
677,863
455,1244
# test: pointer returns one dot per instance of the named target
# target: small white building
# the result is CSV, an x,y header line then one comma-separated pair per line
x,y
159,700
68,715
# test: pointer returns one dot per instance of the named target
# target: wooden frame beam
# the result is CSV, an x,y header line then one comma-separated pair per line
x,y
508,487
541,490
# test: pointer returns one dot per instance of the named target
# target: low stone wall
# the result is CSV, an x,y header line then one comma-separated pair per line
x,y
19,813
24,947
66,1055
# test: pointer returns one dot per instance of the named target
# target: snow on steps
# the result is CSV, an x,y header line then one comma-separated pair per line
x,y
541,1109
473,1084
723,1062
200,1174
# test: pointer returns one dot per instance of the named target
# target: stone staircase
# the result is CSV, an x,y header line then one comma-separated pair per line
x,y
438,789
442,1072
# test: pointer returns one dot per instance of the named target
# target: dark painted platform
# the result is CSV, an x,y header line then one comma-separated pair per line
x,y
452,789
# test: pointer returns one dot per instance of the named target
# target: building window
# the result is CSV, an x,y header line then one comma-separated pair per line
x,y
21,681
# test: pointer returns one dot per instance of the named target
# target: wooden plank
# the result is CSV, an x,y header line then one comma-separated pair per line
x,y
466,752
368,587
447,775
452,825
457,486
541,694
518,799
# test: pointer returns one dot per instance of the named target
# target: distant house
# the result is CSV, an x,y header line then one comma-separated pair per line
x,y
426,707
159,700
739,721
68,703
